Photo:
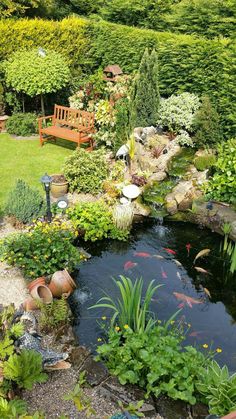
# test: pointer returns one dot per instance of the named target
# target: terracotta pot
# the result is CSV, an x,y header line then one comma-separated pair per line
x,y
59,186
42,293
30,304
37,281
61,283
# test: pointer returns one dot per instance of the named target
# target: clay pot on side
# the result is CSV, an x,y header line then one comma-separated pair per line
x,y
36,282
42,293
61,283
59,186
30,304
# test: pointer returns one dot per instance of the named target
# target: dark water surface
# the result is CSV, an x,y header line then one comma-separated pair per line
x,y
212,321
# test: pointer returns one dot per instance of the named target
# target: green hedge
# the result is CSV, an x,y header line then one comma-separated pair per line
x,y
187,63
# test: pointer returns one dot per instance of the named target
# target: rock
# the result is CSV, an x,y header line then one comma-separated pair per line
x,y
114,391
171,205
157,177
199,411
96,372
172,409
76,198
78,356
141,209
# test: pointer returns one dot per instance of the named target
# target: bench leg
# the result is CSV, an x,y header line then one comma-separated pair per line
x,y
41,139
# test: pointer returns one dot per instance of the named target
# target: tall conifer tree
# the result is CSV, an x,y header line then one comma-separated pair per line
x,y
146,96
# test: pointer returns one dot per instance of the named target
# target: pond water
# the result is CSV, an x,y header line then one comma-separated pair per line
x,y
212,313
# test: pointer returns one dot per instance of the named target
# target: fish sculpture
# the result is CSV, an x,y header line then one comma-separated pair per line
x,y
170,251
129,265
142,254
186,299
201,270
202,253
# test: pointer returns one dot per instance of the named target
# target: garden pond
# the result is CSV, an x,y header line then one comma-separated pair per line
x,y
165,253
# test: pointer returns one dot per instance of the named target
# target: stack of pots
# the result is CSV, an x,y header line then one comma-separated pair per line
x,y
62,284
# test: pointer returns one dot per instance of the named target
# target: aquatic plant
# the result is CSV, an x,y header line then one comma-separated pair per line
x,y
228,251
130,309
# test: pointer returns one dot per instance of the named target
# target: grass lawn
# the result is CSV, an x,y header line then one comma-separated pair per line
x,y
25,159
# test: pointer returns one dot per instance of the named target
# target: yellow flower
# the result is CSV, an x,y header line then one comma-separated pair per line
x,y
218,350
205,345
104,318
31,273
117,328
99,339
189,324
126,326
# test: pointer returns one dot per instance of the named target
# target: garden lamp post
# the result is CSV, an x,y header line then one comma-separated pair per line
x,y
46,181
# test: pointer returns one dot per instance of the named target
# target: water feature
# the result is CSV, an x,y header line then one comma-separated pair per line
x,y
154,195
212,319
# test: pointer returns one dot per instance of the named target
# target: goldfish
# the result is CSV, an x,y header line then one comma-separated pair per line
x,y
163,273
181,305
142,254
170,251
186,299
178,263
188,247
129,265
201,270
158,256
195,334
207,292
202,253
178,275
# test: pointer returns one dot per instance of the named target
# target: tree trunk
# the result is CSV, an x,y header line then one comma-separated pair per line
x,y
23,103
42,105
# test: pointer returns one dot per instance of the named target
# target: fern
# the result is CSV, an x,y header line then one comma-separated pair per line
x,y
25,369
6,347
12,409
54,314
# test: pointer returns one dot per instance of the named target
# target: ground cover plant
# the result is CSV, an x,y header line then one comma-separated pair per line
x,y
43,249
24,124
31,161
93,220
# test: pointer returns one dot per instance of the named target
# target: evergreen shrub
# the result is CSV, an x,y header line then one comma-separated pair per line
x,y
85,171
207,126
24,124
204,162
24,203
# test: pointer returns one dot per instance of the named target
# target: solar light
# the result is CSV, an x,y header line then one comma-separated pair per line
x,y
46,181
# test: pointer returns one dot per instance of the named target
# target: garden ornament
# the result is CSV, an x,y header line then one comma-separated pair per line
x,y
123,154
131,191
32,340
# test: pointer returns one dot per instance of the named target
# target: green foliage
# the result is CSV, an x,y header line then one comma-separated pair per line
x,y
25,369
43,250
186,63
122,124
155,360
177,112
146,96
2,104
94,220
206,125
130,310
218,388
204,161
12,409
86,171
184,139
82,403
222,186
24,124
54,314
18,8
24,203
228,250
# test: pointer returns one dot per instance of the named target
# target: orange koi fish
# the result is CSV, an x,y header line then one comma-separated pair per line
x,y
129,265
142,254
170,251
186,299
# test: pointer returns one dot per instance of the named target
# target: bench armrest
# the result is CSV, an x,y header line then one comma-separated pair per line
x,y
42,118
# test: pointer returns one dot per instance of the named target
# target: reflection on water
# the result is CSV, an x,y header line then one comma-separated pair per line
x,y
208,302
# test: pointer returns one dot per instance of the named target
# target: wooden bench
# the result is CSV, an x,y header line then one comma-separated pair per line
x,y
69,124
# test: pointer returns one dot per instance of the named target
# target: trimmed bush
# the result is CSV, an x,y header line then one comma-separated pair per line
x,y
85,171
24,203
24,124
186,63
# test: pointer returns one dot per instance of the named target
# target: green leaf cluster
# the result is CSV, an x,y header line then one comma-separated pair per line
x,y
205,161
155,360
24,369
94,221
218,388
34,74
54,314
24,124
24,203
85,171
43,250
12,409
222,186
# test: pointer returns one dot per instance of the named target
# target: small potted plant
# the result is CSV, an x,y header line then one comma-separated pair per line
x,y
59,185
